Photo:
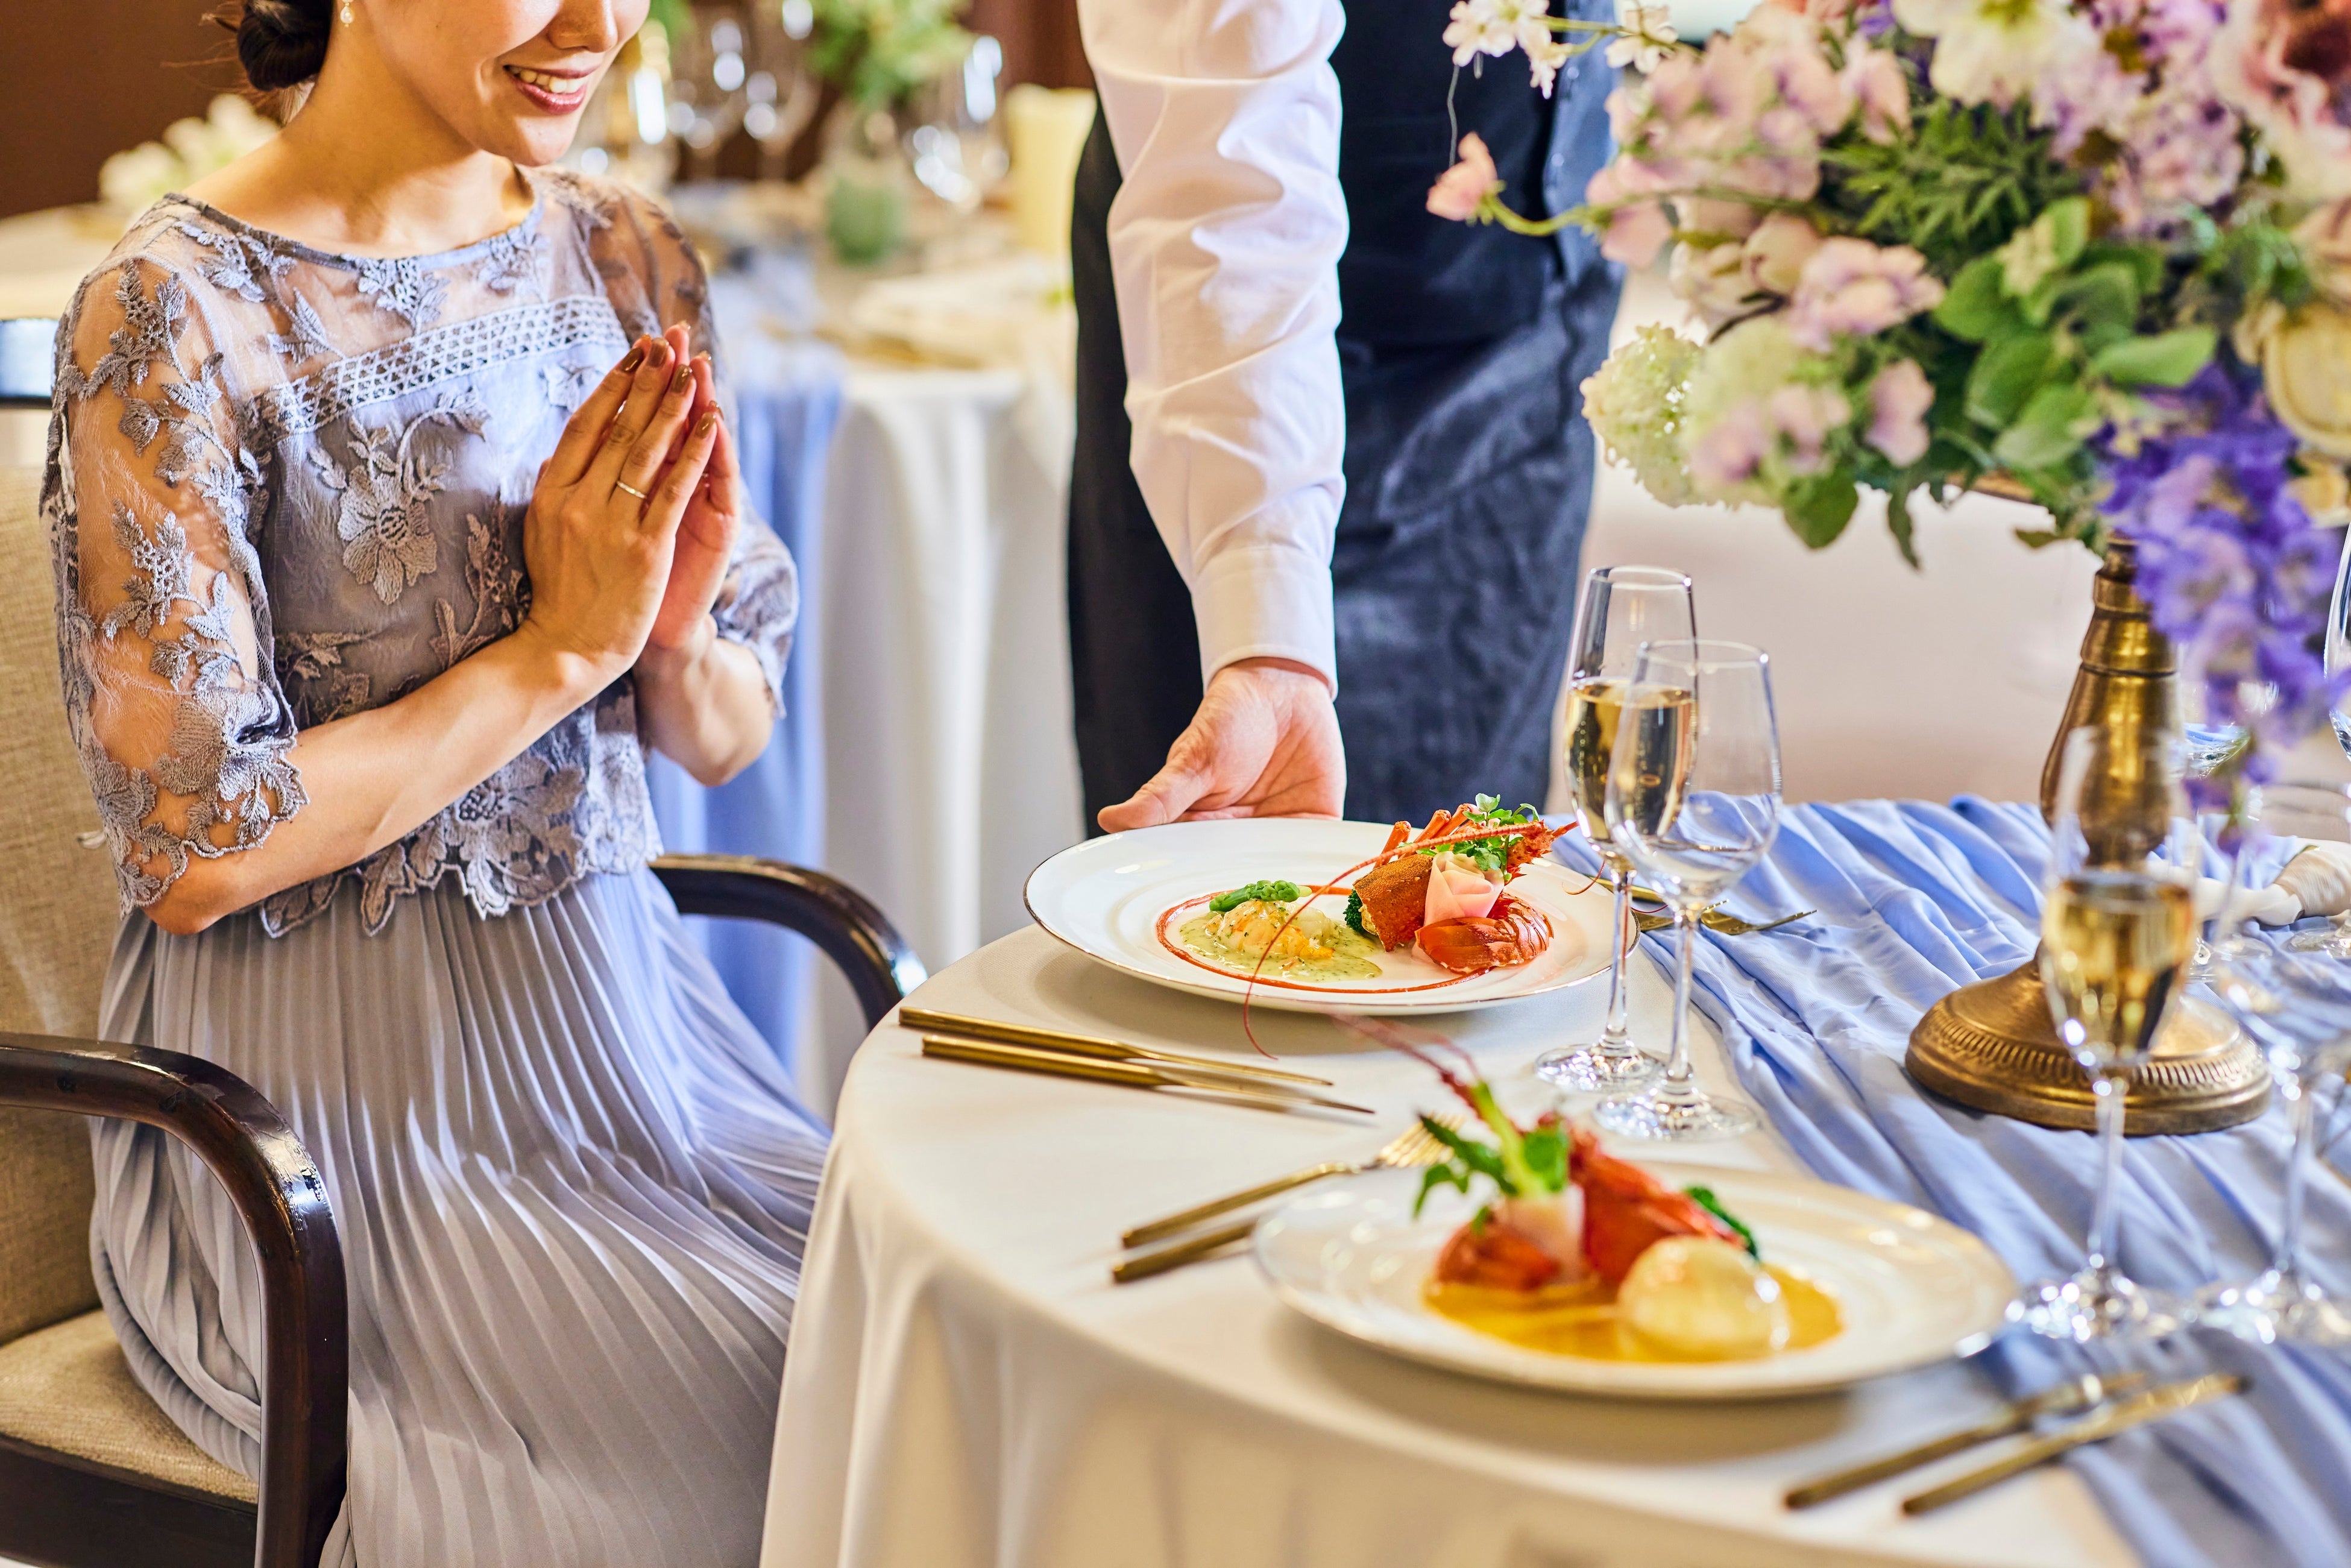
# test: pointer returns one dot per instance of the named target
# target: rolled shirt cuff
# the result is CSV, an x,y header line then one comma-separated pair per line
x,y
1266,601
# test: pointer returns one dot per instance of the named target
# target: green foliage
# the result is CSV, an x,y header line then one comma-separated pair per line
x,y
1488,854
1262,892
879,51
1521,1165
1704,1198
1355,913
2166,360
1965,179
1818,505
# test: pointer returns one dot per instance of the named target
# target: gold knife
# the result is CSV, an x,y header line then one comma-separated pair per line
x,y
922,1018
1129,1075
1143,1265
2136,1411
2070,1397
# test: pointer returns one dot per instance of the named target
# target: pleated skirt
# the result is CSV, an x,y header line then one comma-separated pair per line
x,y
573,1189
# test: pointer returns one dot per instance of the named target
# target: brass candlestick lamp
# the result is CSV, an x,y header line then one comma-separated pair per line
x,y
1993,1045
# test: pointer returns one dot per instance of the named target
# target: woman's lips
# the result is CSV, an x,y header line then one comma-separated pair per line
x,y
554,94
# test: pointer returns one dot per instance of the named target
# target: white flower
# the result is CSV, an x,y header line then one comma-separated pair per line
x,y
1495,27
1995,51
1634,405
1544,56
1649,35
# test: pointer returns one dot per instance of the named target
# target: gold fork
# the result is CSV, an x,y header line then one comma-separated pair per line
x,y
1646,921
1413,1146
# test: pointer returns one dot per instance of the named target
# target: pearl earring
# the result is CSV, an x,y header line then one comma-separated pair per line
x,y
346,13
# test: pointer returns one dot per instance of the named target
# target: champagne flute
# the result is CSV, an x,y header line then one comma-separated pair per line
x,y
1693,801
2297,1008
1623,607
2117,926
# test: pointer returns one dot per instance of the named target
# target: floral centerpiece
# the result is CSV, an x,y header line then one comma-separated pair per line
x,y
2095,250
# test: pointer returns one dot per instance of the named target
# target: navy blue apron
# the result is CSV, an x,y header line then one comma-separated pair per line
x,y
1469,465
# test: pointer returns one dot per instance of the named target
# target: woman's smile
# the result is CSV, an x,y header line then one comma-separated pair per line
x,y
553,92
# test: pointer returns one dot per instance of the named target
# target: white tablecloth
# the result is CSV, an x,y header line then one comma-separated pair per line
x,y
966,1386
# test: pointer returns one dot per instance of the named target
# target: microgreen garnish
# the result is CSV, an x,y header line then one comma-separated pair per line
x,y
1704,1198
1488,854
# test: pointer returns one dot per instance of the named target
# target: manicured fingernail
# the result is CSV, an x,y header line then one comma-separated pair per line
x,y
707,423
683,380
658,354
636,357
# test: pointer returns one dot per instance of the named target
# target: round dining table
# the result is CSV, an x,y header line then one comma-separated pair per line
x,y
966,1385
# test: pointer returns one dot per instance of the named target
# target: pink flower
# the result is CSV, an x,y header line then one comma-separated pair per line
x,y
1875,78
1460,189
1776,252
1730,452
2284,69
1803,416
1850,286
1712,279
1898,401
1637,232
1638,228
1710,215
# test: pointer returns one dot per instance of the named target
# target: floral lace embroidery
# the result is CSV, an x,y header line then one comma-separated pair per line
x,y
513,259
400,286
494,579
203,312
388,538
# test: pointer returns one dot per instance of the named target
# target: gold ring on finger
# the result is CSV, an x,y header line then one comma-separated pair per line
x,y
631,490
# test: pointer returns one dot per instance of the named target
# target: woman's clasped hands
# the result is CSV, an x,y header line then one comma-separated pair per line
x,y
635,515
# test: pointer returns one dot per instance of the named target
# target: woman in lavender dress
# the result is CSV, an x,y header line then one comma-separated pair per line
x,y
394,518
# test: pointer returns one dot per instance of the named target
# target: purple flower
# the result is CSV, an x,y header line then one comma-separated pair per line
x,y
2232,568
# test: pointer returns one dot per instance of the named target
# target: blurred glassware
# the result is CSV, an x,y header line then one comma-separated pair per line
x,y
708,76
2338,637
2296,1003
782,92
954,141
865,203
624,130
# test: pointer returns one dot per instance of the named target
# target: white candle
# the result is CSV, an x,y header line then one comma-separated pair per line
x,y
1046,128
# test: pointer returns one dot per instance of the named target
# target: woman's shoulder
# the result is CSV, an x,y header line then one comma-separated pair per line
x,y
172,268
636,245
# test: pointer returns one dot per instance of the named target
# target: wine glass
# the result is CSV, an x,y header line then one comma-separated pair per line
x,y
952,140
782,92
1693,801
2117,926
2297,1008
1622,608
707,74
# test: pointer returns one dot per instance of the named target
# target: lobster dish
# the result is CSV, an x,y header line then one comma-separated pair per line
x,y
1442,893
1578,1252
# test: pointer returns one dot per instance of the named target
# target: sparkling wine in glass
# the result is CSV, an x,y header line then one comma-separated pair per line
x,y
1692,804
1622,608
2117,929
2296,1006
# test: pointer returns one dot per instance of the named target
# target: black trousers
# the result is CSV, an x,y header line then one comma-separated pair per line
x,y
1455,569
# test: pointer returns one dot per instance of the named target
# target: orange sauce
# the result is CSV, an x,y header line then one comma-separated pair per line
x,y
1581,1320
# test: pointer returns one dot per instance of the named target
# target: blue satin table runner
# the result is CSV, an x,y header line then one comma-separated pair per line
x,y
1913,900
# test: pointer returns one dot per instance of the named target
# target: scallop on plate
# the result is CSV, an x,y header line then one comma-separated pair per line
x,y
1886,1288
1140,901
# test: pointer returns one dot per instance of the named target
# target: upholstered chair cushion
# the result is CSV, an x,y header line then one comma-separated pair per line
x,y
57,921
66,1387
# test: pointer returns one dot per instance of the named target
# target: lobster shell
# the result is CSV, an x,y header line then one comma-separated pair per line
x,y
1513,934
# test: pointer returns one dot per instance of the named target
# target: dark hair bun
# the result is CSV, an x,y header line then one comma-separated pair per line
x,y
280,43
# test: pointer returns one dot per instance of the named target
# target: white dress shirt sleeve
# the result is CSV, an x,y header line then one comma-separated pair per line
x,y
1224,247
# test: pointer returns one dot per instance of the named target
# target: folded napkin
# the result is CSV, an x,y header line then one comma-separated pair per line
x,y
2316,881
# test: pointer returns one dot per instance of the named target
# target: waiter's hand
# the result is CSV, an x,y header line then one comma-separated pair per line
x,y
1264,743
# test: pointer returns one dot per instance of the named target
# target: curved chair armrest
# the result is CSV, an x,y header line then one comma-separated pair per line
x,y
282,1200
879,964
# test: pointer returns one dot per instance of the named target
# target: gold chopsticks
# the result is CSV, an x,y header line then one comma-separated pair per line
x,y
1152,1074
927,1021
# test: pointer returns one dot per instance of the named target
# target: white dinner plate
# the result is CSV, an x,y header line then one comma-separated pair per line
x,y
1912,1289
1113,898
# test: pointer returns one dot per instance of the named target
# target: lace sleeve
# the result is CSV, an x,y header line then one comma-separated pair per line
x,y
759,602
163,626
